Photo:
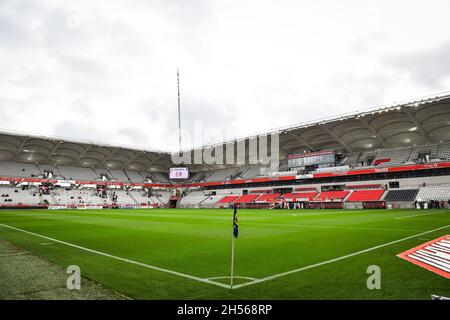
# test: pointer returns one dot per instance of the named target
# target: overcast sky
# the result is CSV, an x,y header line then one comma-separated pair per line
x,y
106,70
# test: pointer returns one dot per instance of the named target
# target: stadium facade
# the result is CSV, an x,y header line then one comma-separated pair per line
x,y
393,156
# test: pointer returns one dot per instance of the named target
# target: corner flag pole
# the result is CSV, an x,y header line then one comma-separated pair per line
x,y
233,239
232,262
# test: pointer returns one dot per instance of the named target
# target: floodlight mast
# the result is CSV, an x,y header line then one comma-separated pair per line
x,y
179,113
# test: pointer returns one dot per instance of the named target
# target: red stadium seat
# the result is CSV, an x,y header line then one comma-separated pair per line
x,y
365,195
332,195
246,198
228,199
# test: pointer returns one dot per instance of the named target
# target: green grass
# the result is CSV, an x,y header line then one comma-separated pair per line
x,y
198,242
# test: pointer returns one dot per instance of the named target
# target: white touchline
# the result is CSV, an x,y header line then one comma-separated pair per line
x,y
333,260
122,259
417,215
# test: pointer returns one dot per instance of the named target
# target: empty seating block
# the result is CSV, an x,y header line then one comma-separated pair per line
x,y
401,195
437,194
332,195
228,199
268,197
395,156
297,196
246,198
444,151
432,149
221,175
20,170
193,198
73,173
365,195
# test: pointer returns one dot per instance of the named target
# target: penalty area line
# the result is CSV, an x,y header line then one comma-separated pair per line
x,y
334,260
176,273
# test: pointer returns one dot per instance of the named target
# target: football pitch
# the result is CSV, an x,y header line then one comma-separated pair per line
x,y
280,254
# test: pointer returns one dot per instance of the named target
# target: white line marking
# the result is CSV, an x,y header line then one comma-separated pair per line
x,y
176,273
333,260
418,215
228,277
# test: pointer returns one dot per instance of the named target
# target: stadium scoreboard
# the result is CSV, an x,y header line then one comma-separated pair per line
x,y
179,173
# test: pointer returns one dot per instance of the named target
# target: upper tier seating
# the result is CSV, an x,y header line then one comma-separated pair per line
x,y
247,198
401,195
228,199
75,173
394,156
444,151
221,175
252,172
19,170
431,148
50,168
119,175
135,176
159,177
332,195
434,193
365,195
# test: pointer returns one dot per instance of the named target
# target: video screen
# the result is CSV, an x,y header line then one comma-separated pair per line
x,y
179,173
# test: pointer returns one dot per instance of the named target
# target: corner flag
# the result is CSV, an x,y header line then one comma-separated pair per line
x,y
235,223
235,235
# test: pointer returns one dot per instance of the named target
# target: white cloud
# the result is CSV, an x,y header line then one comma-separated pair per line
x,y
106,70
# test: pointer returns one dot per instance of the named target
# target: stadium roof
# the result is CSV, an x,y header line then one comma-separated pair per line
x,y
417,122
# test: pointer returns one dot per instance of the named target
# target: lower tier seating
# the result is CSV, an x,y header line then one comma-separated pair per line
x,y
247,198
332,195
401,195
365,195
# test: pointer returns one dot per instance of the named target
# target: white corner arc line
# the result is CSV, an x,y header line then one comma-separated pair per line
x,y
176,273
333,260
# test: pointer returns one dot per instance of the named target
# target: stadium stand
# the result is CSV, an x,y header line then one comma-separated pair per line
x,y
21,170
331,196
135,176
268,197
433,193
228,199
10,195
74,173
119,175
392,156
221,175
251,172
159,177
77,197
401,195
140,197
296,196
365,195
444,151
122,197
192,199
247,198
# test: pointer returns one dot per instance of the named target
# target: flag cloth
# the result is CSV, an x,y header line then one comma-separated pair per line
x,y
235,223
